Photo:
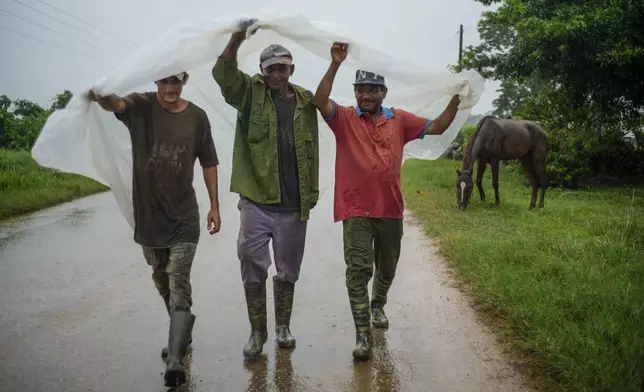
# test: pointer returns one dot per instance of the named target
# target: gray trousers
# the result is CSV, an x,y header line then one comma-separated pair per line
x,y
257,227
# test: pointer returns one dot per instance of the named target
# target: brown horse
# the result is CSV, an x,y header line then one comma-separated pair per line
x,y
501,139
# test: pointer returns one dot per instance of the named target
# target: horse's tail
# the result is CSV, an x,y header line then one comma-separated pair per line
x,y
470,143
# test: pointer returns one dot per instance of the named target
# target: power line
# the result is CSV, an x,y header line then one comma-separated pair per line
x,y
63,22
85,23
446,43
48,43
50,29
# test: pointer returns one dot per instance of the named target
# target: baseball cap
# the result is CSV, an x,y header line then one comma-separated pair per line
x,y
181,76
275,54
366,77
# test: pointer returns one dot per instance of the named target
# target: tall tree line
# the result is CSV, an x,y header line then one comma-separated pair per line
x,y
22,120
575,67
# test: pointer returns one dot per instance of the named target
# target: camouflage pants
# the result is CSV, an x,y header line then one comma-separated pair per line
x,y
171,274
369,241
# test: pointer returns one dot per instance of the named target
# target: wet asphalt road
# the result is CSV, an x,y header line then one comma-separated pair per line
x,y
79,312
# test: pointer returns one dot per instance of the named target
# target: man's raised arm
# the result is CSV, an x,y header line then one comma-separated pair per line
x,y
233,82
322,94
444,120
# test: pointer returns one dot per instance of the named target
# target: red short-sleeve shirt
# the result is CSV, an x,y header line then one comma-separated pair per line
x,y
369,159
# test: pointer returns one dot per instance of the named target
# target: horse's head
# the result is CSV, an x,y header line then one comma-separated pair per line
x,y
463,188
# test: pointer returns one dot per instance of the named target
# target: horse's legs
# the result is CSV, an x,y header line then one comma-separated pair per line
x,y
494,164
529,171
539,165
480,170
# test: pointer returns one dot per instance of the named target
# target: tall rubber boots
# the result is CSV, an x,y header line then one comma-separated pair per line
x,y
256,304
164,351
283,296
378,318
364,344
181,324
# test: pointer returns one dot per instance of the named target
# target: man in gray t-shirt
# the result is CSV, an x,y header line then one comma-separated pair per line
x,y
168,135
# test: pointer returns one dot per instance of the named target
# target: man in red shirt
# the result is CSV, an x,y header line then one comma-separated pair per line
x,y
368,199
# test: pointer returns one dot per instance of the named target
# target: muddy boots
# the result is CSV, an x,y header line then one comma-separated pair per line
x,y
378,318
181,324
256,305
364,344
364,341
283,296
164,351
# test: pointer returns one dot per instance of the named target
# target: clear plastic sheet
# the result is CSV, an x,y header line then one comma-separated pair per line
x,y
84,139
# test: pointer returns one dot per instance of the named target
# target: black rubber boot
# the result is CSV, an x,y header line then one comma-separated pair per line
x,y
181,324
364,345
283,296
256,305
378,318
164,351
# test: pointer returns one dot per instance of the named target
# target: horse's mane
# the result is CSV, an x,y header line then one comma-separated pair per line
x,y
470,143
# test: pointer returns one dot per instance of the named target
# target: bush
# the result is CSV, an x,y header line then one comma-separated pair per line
x,y
585,143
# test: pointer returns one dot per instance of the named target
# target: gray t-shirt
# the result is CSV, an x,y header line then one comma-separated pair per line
x,y
287,158
165,147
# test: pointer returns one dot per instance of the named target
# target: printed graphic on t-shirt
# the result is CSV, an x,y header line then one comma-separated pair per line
x,y
167,158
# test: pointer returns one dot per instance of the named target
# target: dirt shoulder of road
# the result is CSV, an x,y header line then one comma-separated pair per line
x,y
561,287
26,187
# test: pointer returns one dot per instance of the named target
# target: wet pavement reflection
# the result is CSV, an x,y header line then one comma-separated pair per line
x,y
79,312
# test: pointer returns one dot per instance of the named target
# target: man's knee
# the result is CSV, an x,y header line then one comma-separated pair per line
x,y
178,271
161,282
358,274
254,256
289,266
181,258
386,276
253,272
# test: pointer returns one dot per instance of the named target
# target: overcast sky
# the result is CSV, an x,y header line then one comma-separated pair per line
x,y
421,31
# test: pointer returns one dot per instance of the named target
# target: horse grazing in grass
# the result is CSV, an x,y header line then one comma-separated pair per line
x,y
502,139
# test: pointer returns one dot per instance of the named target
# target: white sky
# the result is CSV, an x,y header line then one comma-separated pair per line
x,y
423,32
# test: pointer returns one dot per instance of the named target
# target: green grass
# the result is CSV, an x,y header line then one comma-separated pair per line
x,y
564,286
25,186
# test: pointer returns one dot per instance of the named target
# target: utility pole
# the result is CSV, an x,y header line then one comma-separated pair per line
x,y
460,48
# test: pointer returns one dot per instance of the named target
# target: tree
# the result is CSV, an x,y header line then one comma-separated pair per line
x,y
5,102
61,100
25,108
6,118
21,121
512,96
590,50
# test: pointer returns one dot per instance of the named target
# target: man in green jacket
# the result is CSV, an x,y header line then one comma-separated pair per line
x,y
275,171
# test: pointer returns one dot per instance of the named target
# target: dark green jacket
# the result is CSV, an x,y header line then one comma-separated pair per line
x,y
255,172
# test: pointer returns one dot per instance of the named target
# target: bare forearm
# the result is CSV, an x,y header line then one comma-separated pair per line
x,y
112,103
211,176
230,52
323,91
440,124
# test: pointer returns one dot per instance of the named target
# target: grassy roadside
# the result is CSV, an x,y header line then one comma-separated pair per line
x,y
564,285
27,187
